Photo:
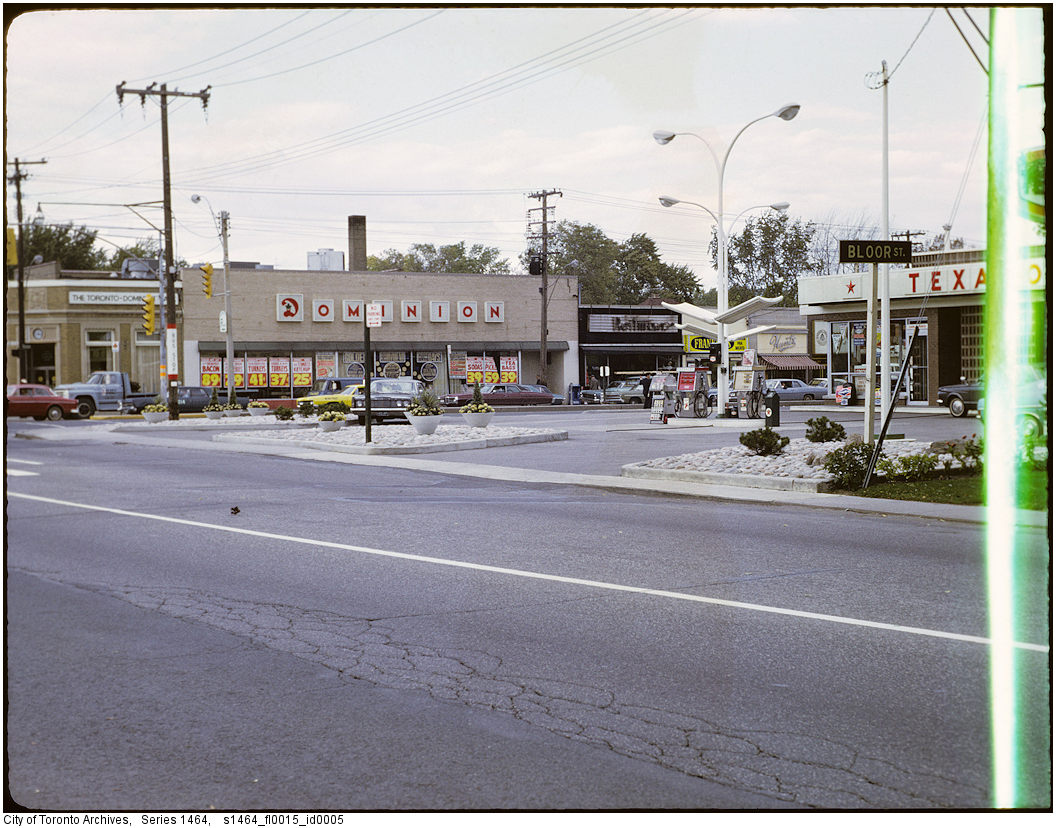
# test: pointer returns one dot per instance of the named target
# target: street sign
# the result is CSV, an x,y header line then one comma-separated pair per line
x,y
876,252
374,314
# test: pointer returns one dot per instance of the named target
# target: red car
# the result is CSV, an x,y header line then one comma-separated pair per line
x,y
38,402
505,393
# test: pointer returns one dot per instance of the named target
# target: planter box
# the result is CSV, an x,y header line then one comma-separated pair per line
x,y
478,420
330,425
155,416
424,424
258,412
214,415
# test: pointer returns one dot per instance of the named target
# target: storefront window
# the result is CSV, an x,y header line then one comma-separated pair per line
x,y
100,350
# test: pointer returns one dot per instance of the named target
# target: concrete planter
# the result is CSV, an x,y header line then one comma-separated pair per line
x,y
258,412
155,416
214,415
478,419
330,425
424,423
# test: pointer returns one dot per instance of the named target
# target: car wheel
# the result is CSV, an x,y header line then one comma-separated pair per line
x,y
1028,426
808,396
85,407
957,407
636,401
54,413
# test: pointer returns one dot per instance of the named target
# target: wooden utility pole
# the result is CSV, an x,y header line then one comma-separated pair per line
x,y
24,367
543,266
171,335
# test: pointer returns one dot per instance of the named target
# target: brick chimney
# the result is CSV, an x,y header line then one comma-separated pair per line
x,y
357,242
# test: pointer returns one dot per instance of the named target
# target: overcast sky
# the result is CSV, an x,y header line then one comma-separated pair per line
x,y
436,123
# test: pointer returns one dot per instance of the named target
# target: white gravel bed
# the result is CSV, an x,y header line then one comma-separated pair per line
x,y
389,436
800,459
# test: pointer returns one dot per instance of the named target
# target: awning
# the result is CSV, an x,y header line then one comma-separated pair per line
x,y
790,361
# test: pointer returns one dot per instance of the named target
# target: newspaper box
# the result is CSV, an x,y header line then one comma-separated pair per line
x,y
664,392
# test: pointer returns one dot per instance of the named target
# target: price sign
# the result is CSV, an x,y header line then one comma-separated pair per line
x,y
279,372
211,372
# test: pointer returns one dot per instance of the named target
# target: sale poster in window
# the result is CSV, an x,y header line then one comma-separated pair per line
x,y
474,369
279,372
302,372
508,368
257,372
240,373
211,372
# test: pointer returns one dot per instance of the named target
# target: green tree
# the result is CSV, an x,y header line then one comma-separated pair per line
x,y
583,251
447,258
640,274
72,247
767,257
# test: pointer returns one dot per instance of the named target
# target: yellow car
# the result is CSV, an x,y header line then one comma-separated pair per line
x,y
344,395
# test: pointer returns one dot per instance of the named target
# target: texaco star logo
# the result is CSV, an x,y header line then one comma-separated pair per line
x,y
850,287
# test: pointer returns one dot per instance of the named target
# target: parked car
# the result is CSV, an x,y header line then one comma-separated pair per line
x,y
104,391
557,398
503,393
794,389
820,382
961,398
1032,406
38,402
592,396
190,399
389,398
625,391
345,395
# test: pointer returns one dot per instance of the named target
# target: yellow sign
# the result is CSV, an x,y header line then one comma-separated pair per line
x,y
738,345
694,343
12,247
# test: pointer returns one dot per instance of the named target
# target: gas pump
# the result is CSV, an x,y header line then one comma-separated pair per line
x,y
746,398
693,393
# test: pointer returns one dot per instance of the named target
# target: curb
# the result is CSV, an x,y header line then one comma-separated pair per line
x,y
454,445
746,481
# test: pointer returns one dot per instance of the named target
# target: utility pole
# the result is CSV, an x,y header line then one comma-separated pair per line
x,y
541,271
171,336
906,235
24,368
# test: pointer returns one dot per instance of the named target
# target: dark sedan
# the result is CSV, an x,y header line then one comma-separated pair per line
x,y
190,399
38,402
389,399
505,393
960,398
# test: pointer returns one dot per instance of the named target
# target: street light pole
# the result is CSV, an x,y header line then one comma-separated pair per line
x,y
223,225
785,113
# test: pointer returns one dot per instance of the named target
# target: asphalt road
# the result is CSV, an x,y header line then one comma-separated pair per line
x,y
359,638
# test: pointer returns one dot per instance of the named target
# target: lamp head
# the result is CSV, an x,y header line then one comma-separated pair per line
x,y
667,201
780,206
788,112
195,198
662,136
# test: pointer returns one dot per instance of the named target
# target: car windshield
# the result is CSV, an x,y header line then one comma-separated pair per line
x,y
394,386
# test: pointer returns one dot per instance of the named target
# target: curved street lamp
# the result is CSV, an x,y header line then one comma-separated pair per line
x,y
662,137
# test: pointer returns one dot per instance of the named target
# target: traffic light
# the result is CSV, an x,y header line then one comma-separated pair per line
x,y
149,314
715,353
207,279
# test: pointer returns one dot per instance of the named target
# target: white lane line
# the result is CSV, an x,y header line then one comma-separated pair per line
x,y
21,473
539,576
27,462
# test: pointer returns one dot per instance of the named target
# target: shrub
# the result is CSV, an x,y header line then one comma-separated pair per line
x,y
972,457
336,405
283,413
257,404
332,416
477,404
764,441
848,465
824,430
909,467
306,408
425,404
